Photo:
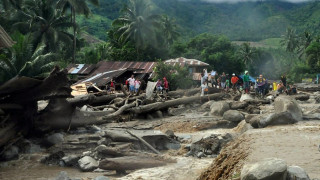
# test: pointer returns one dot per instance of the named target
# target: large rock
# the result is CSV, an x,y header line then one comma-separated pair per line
x,y
233,115
245,97
55,138
70,160
87,163
11,153
285,103
296,173
277,119
238,105
218,108
267,169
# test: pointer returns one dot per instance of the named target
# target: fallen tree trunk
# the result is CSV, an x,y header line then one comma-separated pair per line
x,y
175,102
191,92
144,142
92,99
130,163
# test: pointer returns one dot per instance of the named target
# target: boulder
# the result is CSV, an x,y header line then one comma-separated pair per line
x,y
218,108
267,169
301,97
285,103
55,138
296,173
206,105
11,153
238,105
70,160
233,115
242,127
277,119
245,97
87,163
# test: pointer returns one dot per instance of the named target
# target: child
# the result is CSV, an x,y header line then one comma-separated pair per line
x,y
137,84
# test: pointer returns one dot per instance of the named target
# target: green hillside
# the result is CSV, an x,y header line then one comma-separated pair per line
x,y
245,21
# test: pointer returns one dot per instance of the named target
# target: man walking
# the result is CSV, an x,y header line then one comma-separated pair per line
x,y
246,83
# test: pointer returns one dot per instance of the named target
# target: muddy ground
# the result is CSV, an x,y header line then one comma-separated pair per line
x,y
297,144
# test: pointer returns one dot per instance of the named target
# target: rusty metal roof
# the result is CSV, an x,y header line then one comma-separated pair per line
x,y
181,61
101,79
139,67
5,39
80,69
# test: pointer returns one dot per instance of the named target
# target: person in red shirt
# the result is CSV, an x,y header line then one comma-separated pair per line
x,y
112,86
165,86
234,82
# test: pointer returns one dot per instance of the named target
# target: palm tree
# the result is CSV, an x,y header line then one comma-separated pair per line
x,y
169,30
304,41
137,26
290,40
23,60
246,53
47,25
76,7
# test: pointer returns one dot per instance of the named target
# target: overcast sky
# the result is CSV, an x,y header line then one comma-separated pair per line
x,y
234,1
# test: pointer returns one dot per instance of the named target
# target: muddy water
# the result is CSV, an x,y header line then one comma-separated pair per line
x,y
31,169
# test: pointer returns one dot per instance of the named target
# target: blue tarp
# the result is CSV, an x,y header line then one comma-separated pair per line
x,y
250,77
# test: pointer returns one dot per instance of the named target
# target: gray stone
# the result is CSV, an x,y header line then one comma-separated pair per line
x,y
87,163
11,153
62,176
200,155
206,106
70,160
206,114
218,108
245,97
242,127
277,119
159,114
101,178
233,115
296,173
267,169
174,146
170,133
55,138
238,105
101,148
84,108
282,104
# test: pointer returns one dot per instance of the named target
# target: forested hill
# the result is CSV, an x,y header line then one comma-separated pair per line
x,y
239,21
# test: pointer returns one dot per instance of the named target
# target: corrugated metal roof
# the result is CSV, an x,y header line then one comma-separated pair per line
x,y
103,78
181,61
139,67
80,69
5,39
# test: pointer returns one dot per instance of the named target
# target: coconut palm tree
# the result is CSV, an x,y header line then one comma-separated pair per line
x,y
47,25
136,25
246,53
290,40
23,60
169,30
76,7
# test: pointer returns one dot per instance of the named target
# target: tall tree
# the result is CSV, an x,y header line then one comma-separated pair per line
x,y
76,7
246,53
137,25
47,25
169,30
290,40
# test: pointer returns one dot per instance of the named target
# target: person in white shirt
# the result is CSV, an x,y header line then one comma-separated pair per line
x,y
137,84
131,81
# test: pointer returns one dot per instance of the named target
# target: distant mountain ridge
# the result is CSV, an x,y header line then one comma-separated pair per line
x,y
246,21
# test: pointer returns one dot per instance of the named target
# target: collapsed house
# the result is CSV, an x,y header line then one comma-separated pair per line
x,y
94,78
195,67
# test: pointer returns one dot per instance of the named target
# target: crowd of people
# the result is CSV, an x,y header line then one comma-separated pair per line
x,y
243,83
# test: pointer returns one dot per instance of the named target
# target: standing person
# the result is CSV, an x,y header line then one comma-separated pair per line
x,y
159,86
261,83
165,86
223,80
137,84
234,82
213,78
112,86
227,83
131,81
204,88
205,73
284,79
246,82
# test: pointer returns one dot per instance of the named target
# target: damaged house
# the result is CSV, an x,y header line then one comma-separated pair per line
x,y
94,78
195,67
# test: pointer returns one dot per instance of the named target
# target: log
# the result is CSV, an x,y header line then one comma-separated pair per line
x,y
185,100
144,142
130,163
91,99
191,92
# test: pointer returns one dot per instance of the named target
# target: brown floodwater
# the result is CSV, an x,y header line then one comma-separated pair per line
x,y
32,169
